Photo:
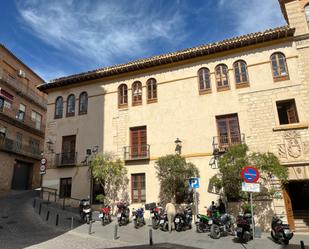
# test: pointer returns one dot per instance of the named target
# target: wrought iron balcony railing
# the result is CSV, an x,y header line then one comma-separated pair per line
x,y
22,118
12,146
66,159
223,142
136,152
23,89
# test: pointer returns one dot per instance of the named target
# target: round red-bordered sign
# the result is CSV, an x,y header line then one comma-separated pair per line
x,y
250,174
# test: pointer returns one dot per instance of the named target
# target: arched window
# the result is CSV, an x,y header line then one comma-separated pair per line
x,y
240,71
71,105
59,107
222,78
137,93
204,80
123,95
83,103
279,67
151,90
307,12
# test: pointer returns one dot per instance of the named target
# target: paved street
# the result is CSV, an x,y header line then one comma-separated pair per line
x,y
20,227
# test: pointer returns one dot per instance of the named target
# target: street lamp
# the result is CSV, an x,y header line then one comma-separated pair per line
x,y
178,146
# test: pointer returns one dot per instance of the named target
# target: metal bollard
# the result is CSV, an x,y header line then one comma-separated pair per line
x,y
72,222
47,215
115,232
302,245
34,202
48,197
57,219
150,237
90,226
40,208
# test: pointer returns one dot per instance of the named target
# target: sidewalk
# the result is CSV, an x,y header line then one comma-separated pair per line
x,y
128,234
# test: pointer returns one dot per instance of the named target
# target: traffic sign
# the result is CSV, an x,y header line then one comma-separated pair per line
x,y
250,174
43,161
42,167
250,187
194,183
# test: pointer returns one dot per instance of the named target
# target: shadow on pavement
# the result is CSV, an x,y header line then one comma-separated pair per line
x,y
157,246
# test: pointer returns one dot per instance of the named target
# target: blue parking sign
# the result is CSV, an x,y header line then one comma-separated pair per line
x,y
194,183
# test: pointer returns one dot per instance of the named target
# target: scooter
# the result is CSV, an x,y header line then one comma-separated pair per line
x,y
164,222
280,232
105,215
222,225
155,214
123,213
85,210
244,231
138,217
203,223
183,221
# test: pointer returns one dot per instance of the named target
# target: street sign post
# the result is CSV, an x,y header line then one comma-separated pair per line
x,y
250,175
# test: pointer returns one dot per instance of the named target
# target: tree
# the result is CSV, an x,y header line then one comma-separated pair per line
x,y
111,173
235,159
173,173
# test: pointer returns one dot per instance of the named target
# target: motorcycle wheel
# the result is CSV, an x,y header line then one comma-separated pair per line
x,y
155,224
215,231
199,228
103,222
273,236
178,228
87,219
135,224
165,227
286,241
246,237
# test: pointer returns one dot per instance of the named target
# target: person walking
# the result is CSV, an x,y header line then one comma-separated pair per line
x,y
171,212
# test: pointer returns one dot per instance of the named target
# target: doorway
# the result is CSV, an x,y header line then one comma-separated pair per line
x,y
299,192
21,175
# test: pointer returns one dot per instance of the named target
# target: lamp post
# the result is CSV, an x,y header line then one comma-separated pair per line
x,y
89,153
178,147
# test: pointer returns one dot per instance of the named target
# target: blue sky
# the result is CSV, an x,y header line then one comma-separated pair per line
x,y
62,37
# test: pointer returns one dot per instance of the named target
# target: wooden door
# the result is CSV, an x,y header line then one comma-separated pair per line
x,y
289,209
138,142
68,149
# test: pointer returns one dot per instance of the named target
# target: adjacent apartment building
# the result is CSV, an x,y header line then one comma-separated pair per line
x,y
251,89
22,123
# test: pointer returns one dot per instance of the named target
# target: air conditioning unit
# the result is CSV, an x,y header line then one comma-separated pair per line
x,y
21,73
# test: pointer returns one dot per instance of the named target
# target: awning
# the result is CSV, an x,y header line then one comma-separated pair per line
x,y
4,94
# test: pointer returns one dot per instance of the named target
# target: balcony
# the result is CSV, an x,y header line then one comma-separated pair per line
x,y
137,152
66,159
22,119
23,89
11,146
222,143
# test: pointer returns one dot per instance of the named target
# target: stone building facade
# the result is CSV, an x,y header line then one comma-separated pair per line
x,y
251,89
22,123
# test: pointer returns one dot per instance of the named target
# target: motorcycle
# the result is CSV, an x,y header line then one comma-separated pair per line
x,y
123,213
164,222
155,214
279,231
203,223
222,225
85,210
138,217
105,215
183,221
244,231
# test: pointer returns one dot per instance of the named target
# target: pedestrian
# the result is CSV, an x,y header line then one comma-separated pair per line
x,y
221,207
171,212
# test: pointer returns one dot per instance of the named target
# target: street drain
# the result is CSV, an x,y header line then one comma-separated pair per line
x,y
5,217
11,222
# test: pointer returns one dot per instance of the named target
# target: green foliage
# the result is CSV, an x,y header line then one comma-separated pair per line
x,y
246,207
216,182
111,173
173,173
235,159
100,198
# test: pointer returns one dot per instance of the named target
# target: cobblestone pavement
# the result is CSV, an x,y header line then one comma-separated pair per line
x,y
21,227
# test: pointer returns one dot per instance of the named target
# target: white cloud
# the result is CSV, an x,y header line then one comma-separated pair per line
x,y
252,15
102,30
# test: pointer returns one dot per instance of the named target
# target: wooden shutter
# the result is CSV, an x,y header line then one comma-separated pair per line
x,y
228,130
289,209
138,142
291,113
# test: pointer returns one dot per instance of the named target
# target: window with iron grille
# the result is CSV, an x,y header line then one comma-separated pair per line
x,y
65,187
287,112
138,188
